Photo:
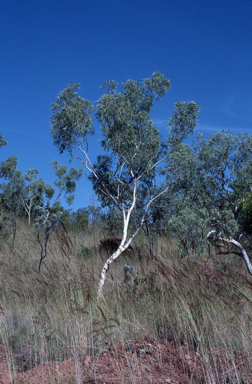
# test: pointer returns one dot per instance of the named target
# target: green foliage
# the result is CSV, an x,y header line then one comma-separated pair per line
x,y
245,204
94,212
85,253
66,182
24,192
125,175
2,141
46,220
212,189
80,218
131,142
72,119
189,226
13,192
12,195
37,192
161,210
183,121
126,125
4,228
48,216
8,167
112,221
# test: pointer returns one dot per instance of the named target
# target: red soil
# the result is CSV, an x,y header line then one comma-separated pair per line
x,y
144,361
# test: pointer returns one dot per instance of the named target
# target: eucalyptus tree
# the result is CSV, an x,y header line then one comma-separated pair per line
x,y
94,215
8,167
9,172
133,151
2,141
48,216
22,193
80,218
3,216
245,206
36,189
160,213
213,194
12,194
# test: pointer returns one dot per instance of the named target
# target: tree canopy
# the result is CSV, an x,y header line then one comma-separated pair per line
x,y
134,152
199,192
213,192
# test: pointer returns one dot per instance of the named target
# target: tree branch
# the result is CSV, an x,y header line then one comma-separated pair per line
x,y
214,237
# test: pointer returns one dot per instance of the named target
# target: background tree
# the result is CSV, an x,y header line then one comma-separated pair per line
x,y
49,215
8,167
12,194
35,192
112,221
94,214
80,218
3,217
161,211
2,141
213,193
245,205
133,148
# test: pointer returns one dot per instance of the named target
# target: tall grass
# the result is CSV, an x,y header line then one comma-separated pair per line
x,y
202,303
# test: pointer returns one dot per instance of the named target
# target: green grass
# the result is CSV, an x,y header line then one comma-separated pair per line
x,y
203,303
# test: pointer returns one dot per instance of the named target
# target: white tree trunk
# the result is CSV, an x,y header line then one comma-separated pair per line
x,y
212,236
124,245
121,249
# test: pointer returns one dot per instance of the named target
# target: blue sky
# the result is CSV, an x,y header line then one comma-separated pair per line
x,y
203,46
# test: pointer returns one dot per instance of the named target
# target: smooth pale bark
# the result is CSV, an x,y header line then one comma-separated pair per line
x,y
122,248
28,208
124,244
213,237
126,216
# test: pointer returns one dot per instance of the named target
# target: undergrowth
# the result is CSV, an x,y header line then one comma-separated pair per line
x,y
203,303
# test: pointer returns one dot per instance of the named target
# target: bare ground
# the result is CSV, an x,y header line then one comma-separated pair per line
x,y
149,360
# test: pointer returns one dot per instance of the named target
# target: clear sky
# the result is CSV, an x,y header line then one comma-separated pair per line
x,y
203,46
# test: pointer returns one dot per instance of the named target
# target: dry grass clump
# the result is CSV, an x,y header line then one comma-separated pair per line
x,y
199,304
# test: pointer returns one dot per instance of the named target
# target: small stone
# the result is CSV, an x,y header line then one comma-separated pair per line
x,y
145,351
129,348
